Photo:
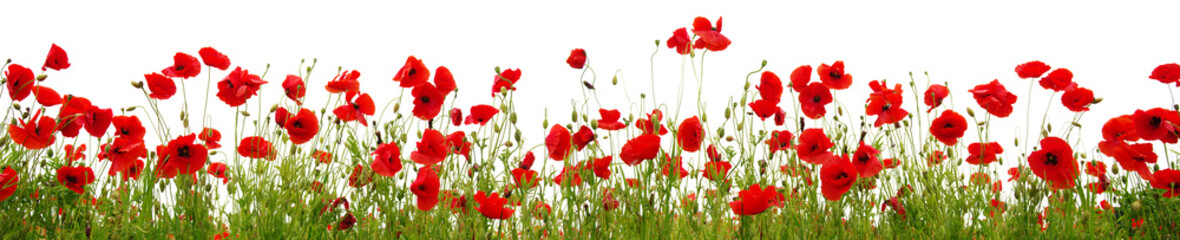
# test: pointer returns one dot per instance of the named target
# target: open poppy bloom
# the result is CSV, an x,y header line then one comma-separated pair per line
x,y
755,200
834,76
457,144
360,177
885,103
1132,157
813,98
255,147
865,161
161,87
344,82
75,178
800,77
813,146
456,116
983,154
680,41
505,80
1077,99
1157,124
558,142
1054,163
387,160
123,153
779,140
46,96
1057,80
669,161
1121,128
764,108
1167,73
213,58
412,74
428,101
444,81
1033,69
1167,179
771,87
492,206
218,171
238,86
425,187
570,175
35,133
583,137
690,134
601,167
836,176
709,37
211,136
1095,168
994,98
57,59
324,157
183,66
357,107
716,170
8,181
20,81
640,148
648,124
302,127
431,148
481,114
524,177
180,156
610,120
934,96
577,58
948,127
294,88
74,153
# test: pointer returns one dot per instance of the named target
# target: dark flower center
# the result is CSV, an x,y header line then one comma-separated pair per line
x,y
842,175
356,106
179,68
412,72
816,99
886,107
835,74
1050,159
425,99
948,125
297,124
421,187
71,179
182,152
1155,121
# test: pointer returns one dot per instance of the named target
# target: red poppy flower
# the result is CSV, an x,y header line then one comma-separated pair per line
x,y
800,77
983,153
294,88
74,153
709,37
1132,157
648,124
865,161
184,66
358,105
1054,162
1057,80
343,82
57,59
771,88
425,187
779,140
324,157
35,133
608,200
668,162
387,160
1095,168
1077,99
360,177
1121,128
836,177
1168,180
427,101
76,112
123,153
213,58
412,74
347,222
640,148
1014,172
524,177
180,156
558,142
948,127
780,117
934,96
577,58
431,148
583,137
505,80
481,114
994,98
75,178
161,87
492,206
890,163
281,116
211,136
1157,124
1032,69
570,175
46,96
764,108
755,200
935,158
813,99
457,203
238,86
444,81
813,146
458,144
716,170
255,147
601,167
8,181
893,203
610,120
1166,73
457,116
680,41
690,134
20,81
833,76
218,170
885,103
302,127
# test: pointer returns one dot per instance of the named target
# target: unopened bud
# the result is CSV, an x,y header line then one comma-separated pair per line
x,y
1136,205
747,87
1096,101
397,106
970,112
508,143
512,118
574,116
137,84
42,77
614,80
245,113
763,62
274,108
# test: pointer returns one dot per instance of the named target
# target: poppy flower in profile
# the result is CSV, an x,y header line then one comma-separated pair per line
x,y
387,160
35,133
834,76
357,107
412,74
56,59
764,108
505,80
427,101
716,170
779,140
690,134
161,87
344,82
8,181
444,81
836,177
813,146
255,147
755,200
1033,69
183,66
211,136
994,98
865,161
558,142
935,158
640,148
213,58
74,153
570,175
458,144
302,127
601,167
1054,163
123,153
46,96
934,96
481,114
813,98
360,177
456,116
577,58
1095,168
885,103
431,148
73,114
238,86
983,154
1168,180
218,171
680,41
425,187
890,163
1166,73
322,157
526,178
800,77
20,81
1132,157
492,206
709,37
346,222
75,178
610,120
648,124
1121,128
180,156
669,161
583,137
1157,124
780,117
294,88
1077,99
771,87
948,127
1057,80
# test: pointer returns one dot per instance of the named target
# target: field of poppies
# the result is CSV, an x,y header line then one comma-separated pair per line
x,y
785,161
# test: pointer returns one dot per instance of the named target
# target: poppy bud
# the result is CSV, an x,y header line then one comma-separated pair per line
x,y
504,91
397,106
839,111
517,135
588,85
729,138
1096,101
727,113
1016,141
545,124
512,118
137,85
1136,205
704,117
1049,127
740,126
721,131
970,112
981,123
245,113
747,87
763,62
496,127
1156,168
1114,169
16,106
657,45
508,143
10,60
182,116
615,81
574,116
42,77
